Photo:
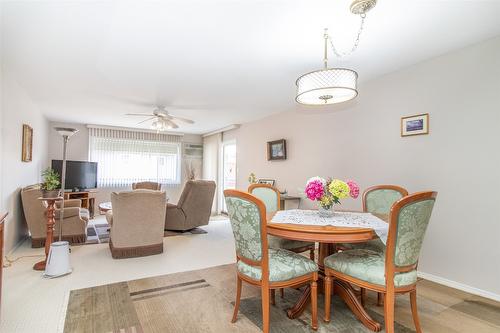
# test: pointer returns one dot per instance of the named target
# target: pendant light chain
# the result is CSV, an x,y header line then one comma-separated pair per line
x,y
356,42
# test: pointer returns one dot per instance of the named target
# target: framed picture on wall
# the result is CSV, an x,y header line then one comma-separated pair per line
x,y
276,150
415,125
27,146
267,181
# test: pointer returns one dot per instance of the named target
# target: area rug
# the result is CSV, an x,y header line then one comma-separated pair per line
x,y
196,301
97,233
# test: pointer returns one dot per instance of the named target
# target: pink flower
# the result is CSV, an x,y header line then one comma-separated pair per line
x,y
353,189
314,190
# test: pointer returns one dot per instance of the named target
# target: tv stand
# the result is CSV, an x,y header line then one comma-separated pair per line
x,y
87,197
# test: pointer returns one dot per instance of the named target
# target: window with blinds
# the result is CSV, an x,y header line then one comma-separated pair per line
x,y
124,157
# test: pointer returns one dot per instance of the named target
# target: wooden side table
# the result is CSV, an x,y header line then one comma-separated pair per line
x,y
285,197
51,221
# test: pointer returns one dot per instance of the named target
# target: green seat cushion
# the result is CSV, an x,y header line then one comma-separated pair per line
x,y
287,244
283,265
374,245
368,266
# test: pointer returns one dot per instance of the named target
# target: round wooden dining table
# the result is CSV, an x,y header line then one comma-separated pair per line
x,y
327,236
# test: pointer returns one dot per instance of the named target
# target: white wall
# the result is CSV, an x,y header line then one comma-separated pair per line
x,y
459,158
18,109
78,150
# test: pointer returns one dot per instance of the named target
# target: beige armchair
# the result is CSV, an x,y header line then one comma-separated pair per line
x,y
75,218
194,206
137,221
146,186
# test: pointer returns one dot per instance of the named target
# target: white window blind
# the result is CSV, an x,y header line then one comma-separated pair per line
x,y
124,157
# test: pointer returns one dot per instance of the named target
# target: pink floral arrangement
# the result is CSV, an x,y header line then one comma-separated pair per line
x,y
315,190
328,192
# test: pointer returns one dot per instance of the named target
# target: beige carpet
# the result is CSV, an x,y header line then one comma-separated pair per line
x,y
197,301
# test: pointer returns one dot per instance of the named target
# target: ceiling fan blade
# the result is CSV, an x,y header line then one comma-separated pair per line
x,y
188,121
171,123
139,114
148,119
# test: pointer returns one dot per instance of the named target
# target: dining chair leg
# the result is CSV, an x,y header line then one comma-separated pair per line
x,y
282,292
273,296
380,299
265,309
389,298
328,296
238,297
314,304
362,296
414,310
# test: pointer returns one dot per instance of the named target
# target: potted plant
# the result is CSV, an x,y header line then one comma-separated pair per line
x,y
50,185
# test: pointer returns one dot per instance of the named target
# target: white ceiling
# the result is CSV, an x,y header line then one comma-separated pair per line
x,y
232,60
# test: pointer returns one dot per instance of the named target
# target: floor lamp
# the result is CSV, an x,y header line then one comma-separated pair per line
x,y
58,259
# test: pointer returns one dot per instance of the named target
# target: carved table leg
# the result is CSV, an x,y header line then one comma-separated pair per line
x,y
40,266
342,289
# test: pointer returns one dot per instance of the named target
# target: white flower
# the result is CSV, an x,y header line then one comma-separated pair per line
x,y
322,180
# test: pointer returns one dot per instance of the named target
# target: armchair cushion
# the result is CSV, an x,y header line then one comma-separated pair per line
x,y
368,266
283,265
287,244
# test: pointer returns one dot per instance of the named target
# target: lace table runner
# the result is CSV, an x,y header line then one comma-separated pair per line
x,y
339,219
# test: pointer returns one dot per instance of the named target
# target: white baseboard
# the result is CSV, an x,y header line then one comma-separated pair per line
x,y
459,286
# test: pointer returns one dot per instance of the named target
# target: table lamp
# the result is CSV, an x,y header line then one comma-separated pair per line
x,y
58,259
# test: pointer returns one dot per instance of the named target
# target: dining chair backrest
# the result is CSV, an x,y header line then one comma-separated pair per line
x,y
379,199
247,215
408,221
268,194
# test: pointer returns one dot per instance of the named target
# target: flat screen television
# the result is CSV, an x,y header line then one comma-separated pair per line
x,y
80,175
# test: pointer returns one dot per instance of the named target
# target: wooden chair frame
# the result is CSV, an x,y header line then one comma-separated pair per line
x,y
265,285
399,189
389,290
403,193
310,248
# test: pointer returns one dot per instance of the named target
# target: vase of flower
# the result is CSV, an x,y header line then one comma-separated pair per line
x,y
329,192
326,211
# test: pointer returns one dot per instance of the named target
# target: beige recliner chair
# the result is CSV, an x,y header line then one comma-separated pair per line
x,y
146,186
194,206
137,221
74,224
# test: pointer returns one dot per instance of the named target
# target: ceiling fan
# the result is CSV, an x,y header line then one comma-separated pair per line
x,y
161,119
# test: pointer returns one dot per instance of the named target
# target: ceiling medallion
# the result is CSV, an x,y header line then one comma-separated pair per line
x,y
333,85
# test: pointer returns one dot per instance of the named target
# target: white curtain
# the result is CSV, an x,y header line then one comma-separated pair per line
x,y
211,157
124,157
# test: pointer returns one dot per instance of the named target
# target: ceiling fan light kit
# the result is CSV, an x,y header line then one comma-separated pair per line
x,y
162,120
333,85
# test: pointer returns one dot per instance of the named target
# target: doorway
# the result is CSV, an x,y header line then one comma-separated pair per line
x,y
228,170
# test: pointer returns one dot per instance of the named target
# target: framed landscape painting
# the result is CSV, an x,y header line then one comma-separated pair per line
x,y
276,150
27,147
415,125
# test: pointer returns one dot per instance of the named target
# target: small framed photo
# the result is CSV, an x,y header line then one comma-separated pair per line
x,y
266,181
276,150
415,125
27,146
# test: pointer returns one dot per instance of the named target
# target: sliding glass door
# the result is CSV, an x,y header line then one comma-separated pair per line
x,y
228,170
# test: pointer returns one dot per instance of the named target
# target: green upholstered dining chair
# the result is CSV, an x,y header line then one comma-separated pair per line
x,y
271,198
393,271
259,265
377,200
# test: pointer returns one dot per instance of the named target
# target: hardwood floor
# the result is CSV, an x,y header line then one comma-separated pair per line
x,y
166,302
